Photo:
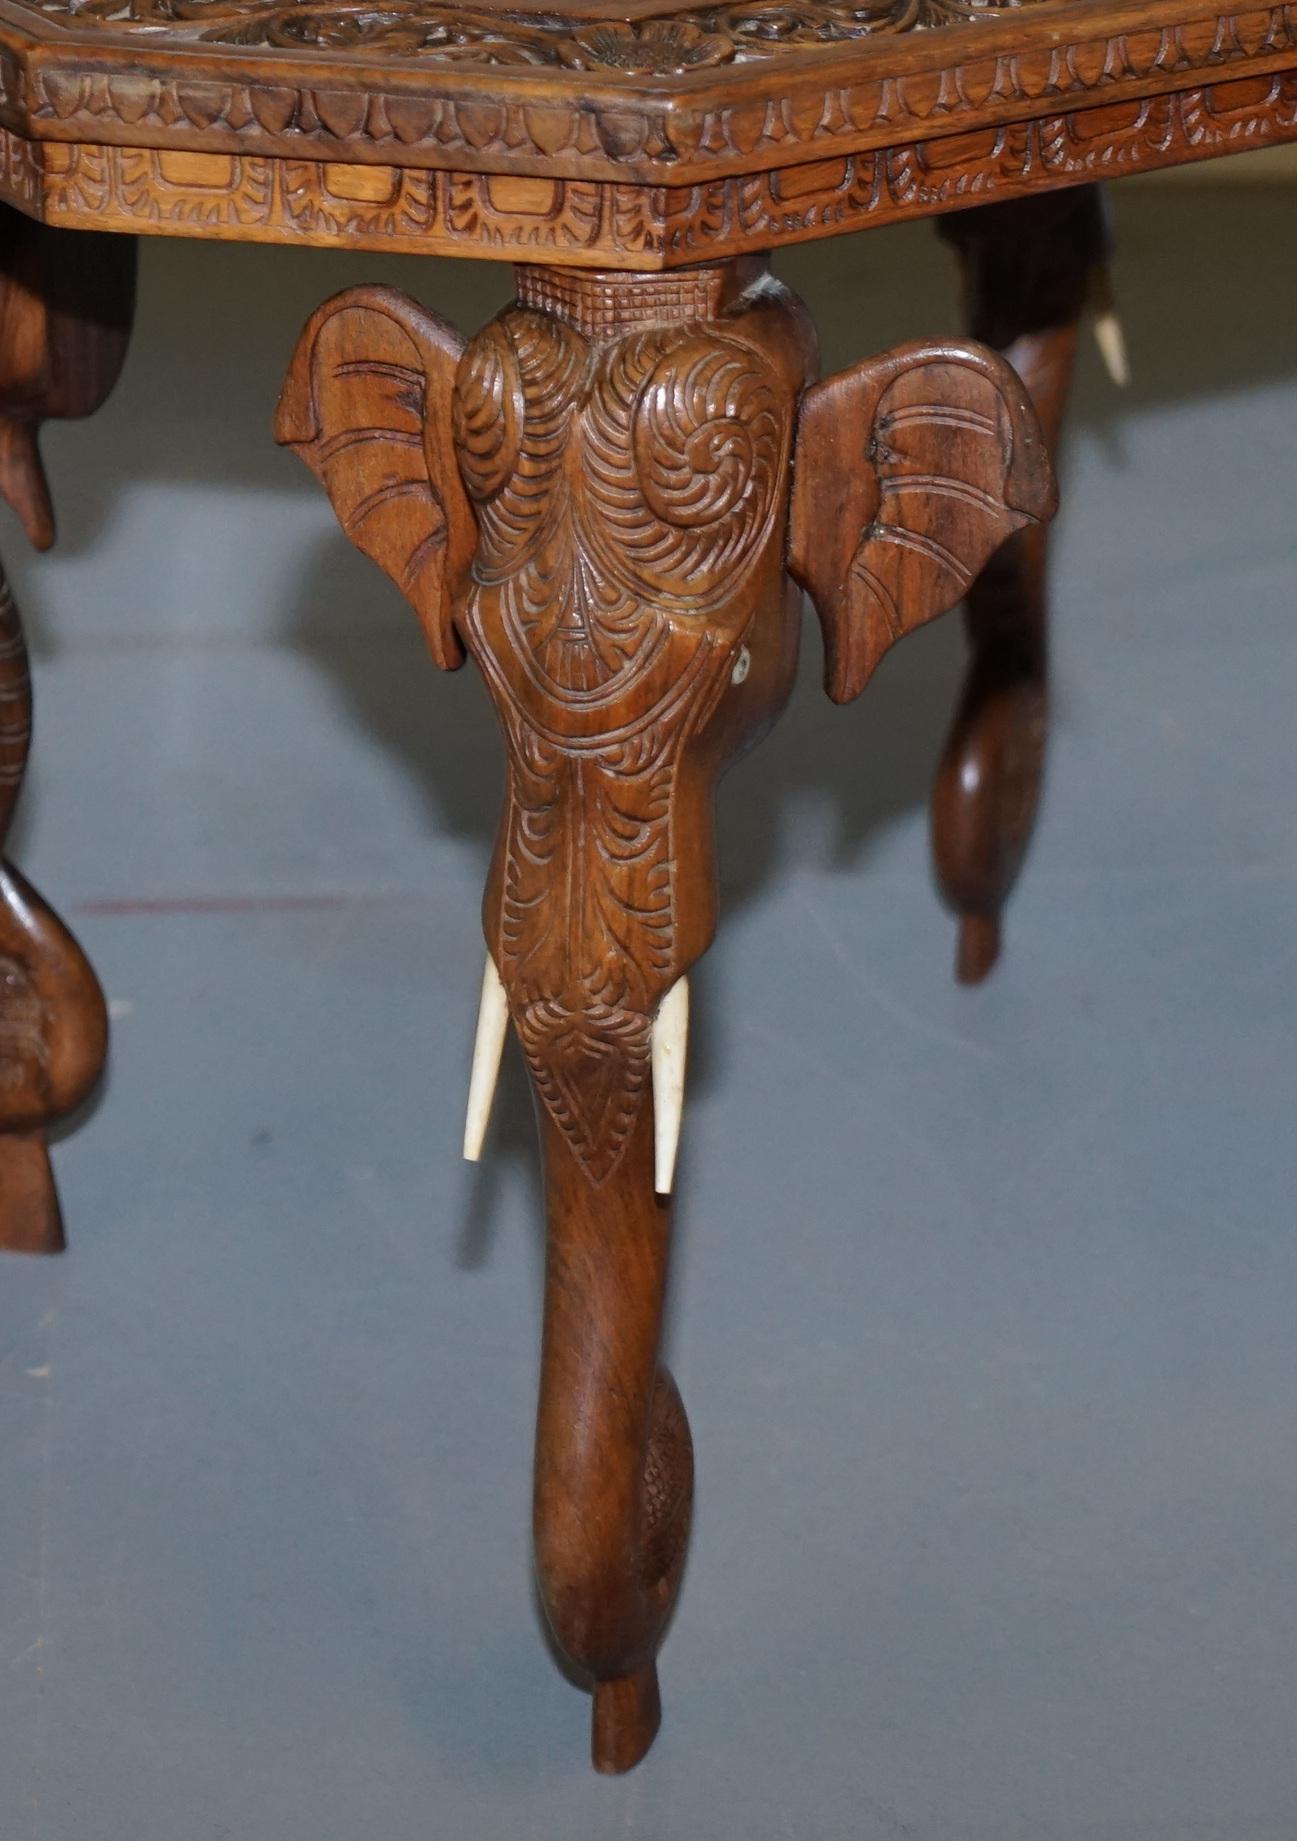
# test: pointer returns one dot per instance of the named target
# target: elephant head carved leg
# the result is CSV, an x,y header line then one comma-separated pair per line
x,y
65,311
592,499
1030,269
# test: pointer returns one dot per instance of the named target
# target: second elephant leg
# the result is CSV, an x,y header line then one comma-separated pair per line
x,y
66,299
1028,271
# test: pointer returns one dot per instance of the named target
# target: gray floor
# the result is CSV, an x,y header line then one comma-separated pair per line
x,y
985,1304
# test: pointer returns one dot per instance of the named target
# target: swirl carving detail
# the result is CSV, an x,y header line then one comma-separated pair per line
x,y
624,493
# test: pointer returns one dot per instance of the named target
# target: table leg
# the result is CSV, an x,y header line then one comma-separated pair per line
x,y
592,499
1029,269
65,306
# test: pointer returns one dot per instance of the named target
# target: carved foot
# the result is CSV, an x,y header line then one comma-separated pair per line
x,y
627,1714
592,499
1030,269
65,304
29,1203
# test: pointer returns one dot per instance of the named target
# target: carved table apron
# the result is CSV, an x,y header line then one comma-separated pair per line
x,y
611,500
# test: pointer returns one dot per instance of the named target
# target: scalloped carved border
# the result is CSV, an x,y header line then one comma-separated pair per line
x,y
255,199
801,203
250,198
757,116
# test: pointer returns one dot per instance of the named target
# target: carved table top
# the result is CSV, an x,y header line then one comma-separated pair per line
x,y
638,134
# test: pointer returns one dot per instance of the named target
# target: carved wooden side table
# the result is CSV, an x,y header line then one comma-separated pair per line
x,y
611,499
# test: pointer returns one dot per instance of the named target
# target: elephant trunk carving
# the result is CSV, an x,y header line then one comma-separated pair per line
x,y
614,1459
628,495
592,500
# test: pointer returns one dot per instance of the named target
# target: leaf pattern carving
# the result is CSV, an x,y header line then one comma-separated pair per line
x,y
671,44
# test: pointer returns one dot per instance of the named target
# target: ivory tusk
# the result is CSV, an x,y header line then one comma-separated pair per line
x,y
488,1046
1108,336
1111,341
670,1039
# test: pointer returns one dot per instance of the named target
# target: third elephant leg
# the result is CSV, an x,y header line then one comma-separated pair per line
x,y
1029,267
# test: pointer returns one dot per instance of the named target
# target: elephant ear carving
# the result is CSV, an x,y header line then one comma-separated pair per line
x,y
911,470
367,406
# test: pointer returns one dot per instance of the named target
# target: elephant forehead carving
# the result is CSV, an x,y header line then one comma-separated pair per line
x,y
627,494
623,494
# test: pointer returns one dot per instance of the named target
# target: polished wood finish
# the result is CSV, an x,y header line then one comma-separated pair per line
x,y
65,305
610,541
1030,270
601,134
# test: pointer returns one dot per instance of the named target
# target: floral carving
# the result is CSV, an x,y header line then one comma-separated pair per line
x,y
655,48
665,46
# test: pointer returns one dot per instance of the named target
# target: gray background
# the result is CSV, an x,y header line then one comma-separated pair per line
x,y
985,1299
